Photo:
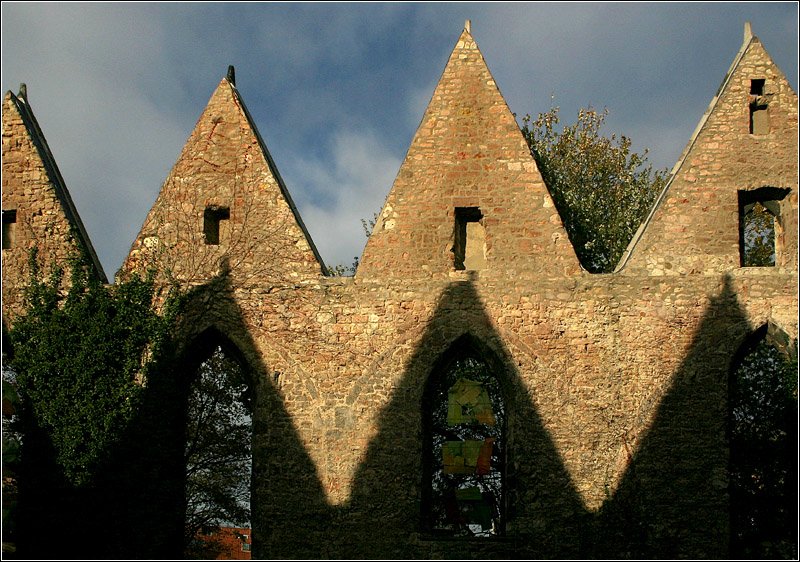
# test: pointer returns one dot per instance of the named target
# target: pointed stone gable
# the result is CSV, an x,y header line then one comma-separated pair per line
x,y
38,211
694,227
469,194
224,207
616,386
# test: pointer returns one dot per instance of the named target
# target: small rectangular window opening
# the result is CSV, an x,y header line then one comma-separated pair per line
x,y
469,247
760,226
759,114
9,228
757,86
211,223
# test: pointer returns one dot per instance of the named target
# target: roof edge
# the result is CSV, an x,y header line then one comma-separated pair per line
x,y
230,78
56,180
749,38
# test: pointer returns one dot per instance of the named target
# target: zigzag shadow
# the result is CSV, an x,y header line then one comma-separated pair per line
x,y
215,319
542,502
671,502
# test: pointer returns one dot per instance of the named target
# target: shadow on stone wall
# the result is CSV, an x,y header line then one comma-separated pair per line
x,y
389,482
214,319
134,507
672,502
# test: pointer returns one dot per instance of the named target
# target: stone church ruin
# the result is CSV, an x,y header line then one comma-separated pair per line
x,y
471,376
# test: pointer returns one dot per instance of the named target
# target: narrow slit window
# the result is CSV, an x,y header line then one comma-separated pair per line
x,y
759,111
757,86
9,228
469,247
212,219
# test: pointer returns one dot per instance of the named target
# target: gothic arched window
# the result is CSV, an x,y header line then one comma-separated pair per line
x,y
218,448
762,434
465,448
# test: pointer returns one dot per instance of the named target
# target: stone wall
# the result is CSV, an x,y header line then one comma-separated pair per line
x,y
695,226
37,209
616,384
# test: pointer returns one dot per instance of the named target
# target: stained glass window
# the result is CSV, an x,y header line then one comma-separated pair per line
x,y
466,420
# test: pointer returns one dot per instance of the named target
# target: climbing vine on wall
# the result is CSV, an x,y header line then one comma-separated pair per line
x,y
79,357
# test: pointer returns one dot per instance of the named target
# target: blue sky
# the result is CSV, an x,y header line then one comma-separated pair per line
x,y
338,89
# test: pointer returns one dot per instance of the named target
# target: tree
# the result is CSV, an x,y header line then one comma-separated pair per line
x,y
758,237
82,352
601,189
218,451
84,359
341,270
12,441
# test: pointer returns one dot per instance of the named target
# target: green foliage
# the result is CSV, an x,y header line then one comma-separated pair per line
x,y
759,237
763,466
601,189
12,441
369,225
78,354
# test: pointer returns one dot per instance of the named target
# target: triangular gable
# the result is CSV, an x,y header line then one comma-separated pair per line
x,y
38,212
17,110
694,225
224,206
468,158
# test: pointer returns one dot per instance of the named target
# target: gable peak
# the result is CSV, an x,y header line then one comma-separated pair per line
x,y
466,41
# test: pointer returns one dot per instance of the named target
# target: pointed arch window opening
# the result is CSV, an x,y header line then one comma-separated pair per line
x,y
762,435
217,448
465,464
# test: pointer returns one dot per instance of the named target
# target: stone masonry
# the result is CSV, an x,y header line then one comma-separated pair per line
x,y
37,209
616,384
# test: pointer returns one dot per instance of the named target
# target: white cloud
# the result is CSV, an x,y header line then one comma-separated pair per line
x,y
337,90
354,186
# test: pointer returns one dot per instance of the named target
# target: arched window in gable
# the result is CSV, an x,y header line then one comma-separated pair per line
x,y
465,447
